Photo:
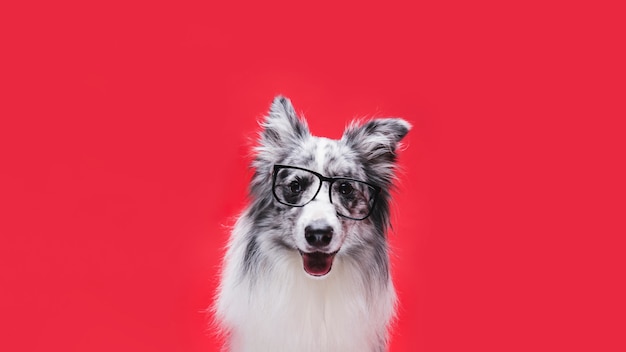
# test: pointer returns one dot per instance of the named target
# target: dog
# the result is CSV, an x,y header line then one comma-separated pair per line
x,y
307,264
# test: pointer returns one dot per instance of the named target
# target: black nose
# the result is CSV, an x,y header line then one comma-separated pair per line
x,y
318,234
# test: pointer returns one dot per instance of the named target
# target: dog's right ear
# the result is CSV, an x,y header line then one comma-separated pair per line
x,y
281,129
282,126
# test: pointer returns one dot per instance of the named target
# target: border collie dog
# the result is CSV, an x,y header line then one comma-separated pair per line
x,y
307,264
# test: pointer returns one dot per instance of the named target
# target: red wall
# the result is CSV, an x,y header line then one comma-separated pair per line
x,y
124,141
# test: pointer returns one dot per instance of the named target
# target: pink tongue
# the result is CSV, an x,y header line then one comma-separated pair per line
x,y
317,263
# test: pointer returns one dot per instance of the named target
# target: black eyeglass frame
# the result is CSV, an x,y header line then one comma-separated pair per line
x,y
322,178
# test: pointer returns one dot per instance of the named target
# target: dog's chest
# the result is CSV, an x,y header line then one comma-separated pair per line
x,y
295,313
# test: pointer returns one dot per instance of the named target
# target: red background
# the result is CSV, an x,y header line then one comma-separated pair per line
x,y
124,138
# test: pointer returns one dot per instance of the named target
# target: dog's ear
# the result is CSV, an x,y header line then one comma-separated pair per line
x,y
281,130
377,141
282,126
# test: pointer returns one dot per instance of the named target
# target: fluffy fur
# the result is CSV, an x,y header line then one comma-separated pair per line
x,y
266,301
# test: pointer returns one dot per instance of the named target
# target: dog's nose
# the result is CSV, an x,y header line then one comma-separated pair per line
x,y
318,234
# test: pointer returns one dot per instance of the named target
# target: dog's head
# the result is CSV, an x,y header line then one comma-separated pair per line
x,y
323,197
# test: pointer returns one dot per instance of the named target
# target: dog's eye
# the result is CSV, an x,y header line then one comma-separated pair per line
x,y
345,188
295,187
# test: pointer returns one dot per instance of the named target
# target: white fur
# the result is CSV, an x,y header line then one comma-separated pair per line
x,y
287,310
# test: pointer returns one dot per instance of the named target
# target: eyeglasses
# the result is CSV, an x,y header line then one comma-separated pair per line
x,y
296,187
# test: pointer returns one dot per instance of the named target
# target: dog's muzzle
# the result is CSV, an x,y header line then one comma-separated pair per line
x,y
317,261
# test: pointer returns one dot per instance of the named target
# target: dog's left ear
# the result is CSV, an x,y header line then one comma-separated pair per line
x,y
377,141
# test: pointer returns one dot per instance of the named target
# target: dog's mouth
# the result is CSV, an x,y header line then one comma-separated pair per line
x,y
317,263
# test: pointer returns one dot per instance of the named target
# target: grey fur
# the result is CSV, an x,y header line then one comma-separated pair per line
x,y
269,240
366,151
